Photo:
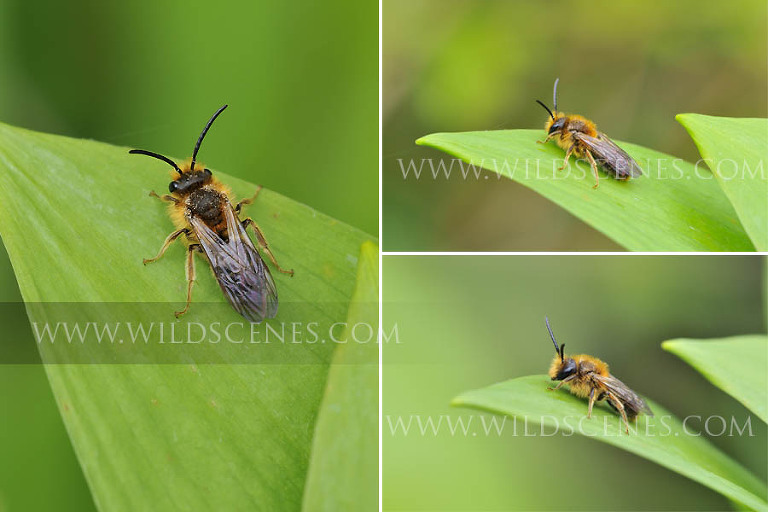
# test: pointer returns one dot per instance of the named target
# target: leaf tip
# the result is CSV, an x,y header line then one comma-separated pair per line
x,y
682,119
457,401
675,346
686,118
670,346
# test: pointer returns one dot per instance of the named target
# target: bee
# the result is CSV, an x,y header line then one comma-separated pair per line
x,y
201,209
579,136
588,376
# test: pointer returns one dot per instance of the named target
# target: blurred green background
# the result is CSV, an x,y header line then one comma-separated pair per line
x,y
629,66
301,80
464,323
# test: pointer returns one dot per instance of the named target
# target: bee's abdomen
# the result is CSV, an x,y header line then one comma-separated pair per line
x,y
207,205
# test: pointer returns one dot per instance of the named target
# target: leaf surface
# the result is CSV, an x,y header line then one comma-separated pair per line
x,y
737,365
230,424
736,150
674,206
661,438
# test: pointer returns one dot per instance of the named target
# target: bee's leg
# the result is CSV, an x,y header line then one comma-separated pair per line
x,y
173,236
593,164
263,243
190,276
561,383
248,201
556,387
567,156
166,197
547,139
591,402
620,407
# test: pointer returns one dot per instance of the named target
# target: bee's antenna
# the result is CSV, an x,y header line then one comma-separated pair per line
x,y
558,350
155,155
202,135
554,94
546,107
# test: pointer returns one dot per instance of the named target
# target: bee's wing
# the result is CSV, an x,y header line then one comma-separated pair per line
x,y
610,156
242,274
629,398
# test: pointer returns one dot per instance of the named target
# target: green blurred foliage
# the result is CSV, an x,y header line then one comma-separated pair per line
x,y
468,322
39,470
36,451
301,80
630,67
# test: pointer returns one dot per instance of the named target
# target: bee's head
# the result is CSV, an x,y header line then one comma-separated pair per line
x,y
187,178
556,124
562,367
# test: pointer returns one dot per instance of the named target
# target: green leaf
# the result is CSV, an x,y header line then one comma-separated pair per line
x,y
735,149
661,439
736,365
672,207
344,470
208,434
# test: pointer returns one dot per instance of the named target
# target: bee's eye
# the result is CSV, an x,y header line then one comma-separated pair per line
x,y
568,369
556,126
173,187
207,172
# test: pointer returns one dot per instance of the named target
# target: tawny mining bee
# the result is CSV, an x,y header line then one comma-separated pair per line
x,y
201,208
578,135
588,376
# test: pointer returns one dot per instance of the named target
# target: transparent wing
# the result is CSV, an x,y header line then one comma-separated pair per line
x,y
610,156
633,403
241,273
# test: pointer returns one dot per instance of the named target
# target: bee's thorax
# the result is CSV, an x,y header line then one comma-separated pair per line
x,y
207,204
